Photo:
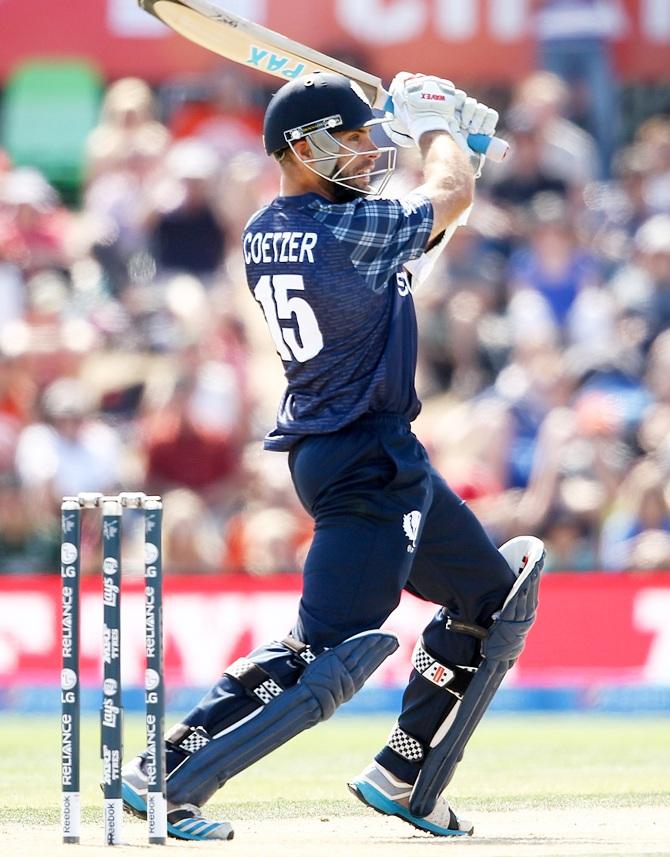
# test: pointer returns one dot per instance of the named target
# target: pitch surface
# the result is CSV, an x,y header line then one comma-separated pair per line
x,y
534,787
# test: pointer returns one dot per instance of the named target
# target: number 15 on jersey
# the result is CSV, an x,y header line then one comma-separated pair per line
x,y
301,340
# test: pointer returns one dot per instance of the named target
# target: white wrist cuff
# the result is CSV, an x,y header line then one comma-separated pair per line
x,y
431,122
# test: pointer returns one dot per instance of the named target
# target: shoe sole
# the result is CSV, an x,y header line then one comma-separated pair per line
x,y
368,795
134,804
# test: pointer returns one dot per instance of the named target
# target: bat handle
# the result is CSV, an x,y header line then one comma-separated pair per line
x,y
495,148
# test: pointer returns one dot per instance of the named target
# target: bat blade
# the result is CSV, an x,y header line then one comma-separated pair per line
x,y
252,45
260,48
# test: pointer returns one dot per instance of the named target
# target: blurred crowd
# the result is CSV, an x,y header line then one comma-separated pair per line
x,y
132,356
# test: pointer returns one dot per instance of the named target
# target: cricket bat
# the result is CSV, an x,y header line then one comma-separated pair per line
x,y
254,46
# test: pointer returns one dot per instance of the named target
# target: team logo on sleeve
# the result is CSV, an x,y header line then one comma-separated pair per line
x,y
410,524
403,283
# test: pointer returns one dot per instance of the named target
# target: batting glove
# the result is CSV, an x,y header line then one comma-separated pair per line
x,y
426,103
423,103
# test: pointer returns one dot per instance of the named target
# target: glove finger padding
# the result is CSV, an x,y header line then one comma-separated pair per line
x,y
467,111
477,119
460,97
489,123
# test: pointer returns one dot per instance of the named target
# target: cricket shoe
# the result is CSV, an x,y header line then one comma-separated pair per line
x,y
380,790
184,821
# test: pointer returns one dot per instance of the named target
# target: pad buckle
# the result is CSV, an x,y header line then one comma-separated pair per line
x,y
302,650
188,739
465,628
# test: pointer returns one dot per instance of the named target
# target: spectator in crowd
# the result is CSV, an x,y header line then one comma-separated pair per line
x,y
123,158
193,440
191,537
185,232
567,152
652,435
642,287
128,123
459,309
553,265
569,540
574,42
636,533
48,341
222,112
526,172
71,450
631,206
33,224
653,136
17,393
116,202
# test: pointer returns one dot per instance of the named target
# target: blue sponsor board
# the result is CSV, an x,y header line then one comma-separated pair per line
x,y
604,699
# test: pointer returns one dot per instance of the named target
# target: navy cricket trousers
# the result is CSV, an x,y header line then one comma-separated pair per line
x,y
385,521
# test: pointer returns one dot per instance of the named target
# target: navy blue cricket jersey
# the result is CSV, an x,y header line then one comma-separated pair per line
x,y
330,280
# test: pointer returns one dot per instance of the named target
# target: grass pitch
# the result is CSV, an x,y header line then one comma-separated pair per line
x,y
538,767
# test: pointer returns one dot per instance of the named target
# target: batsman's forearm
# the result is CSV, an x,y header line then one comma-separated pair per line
x,y
448,179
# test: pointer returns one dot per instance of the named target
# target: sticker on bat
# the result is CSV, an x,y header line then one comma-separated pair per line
x,y
273,64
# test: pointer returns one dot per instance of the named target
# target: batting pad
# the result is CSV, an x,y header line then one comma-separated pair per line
x,y
330,680
503,645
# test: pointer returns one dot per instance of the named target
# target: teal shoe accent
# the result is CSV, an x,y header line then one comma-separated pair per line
x,y
373,798
133,802
198,830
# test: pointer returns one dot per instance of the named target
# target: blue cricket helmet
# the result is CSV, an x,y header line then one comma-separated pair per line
x,y
317,101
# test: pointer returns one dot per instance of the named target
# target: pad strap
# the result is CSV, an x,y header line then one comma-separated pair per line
x,y
187,739
454,678
254,679
405,745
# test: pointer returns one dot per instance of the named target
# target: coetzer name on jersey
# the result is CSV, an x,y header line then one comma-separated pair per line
x,y
267,247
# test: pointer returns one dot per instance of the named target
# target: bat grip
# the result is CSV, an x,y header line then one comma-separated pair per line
x,y
494,148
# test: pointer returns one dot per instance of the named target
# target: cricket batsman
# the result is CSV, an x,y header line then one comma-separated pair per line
x,y
332,266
